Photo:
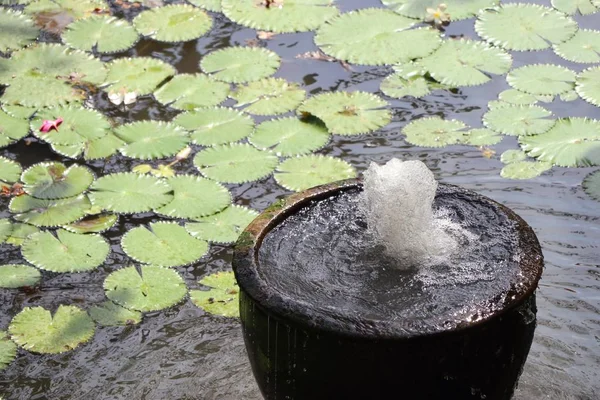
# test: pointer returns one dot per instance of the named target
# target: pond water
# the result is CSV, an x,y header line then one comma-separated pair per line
x,y
185,353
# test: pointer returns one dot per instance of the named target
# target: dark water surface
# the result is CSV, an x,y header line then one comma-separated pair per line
x,y
182,353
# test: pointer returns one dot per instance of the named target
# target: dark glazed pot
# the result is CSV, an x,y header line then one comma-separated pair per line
x,y
306,355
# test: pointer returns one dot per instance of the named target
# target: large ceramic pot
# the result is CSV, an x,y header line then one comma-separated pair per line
x,y
298,353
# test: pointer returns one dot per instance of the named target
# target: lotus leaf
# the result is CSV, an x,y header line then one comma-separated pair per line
x,y
514,96
50,213
542,79
213,126
5,229
290,136
140,75
301,173
16,31
80,125
14,276
512,155
173,23
584,7
10,171
240,64
482,137
93,224
110,314
591,185
147,140
223,297
224,227
458,9
524,169
188,92
12,129
588,85
8,350
53,180
102,33
584,47
210,5
19,233
434,132
519,120
269,96
40,91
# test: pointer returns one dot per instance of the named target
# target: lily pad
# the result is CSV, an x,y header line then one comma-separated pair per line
x,y
80,125
188,92
19,233
588,85
412,83
591,185
213,126
102,33
375,36
482,137
210,5
235,163
195,197
19,112
519,120
291,16
519,26
173,23
434,132
94,149
301,173
524,169
240,64
458,9
140,75
148,140
542,79
224,227
12,129
49,213
40,91
347,113
38,331
512,156
466,63
155,289
8,350
111,314
571,95
223,297
5,229
269,96
65,252
514,96
10,171
16,31
53,180
572,142
71,9
290,136
93,224
14,276
583,7
584,47
127,193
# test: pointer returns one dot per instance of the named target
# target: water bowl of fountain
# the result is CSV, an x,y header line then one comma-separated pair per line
x,y
393,286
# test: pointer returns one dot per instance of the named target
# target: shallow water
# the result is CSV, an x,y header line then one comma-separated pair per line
x,y
182,353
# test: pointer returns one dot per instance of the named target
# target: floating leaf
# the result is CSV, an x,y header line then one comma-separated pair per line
x,y
512,155
188,92
524,169
155,289
300,173
584,7
65,252
347,113
514,96
542,79
588,85
519,120
458,9
53,180
19,233
223,297
414,84
127,193
210,5
41,212
16,31
93,224
102,33
173,23
8,350
73,9
80,126
5,229
36,330
10,171
375,36
92,149
147,140
584,47
518,26
140,75
466,62
293,16
482,137
572,142
434,132
14,276
591,185
571,95
213,126
19,112
224,227
240,64
111,314
290,136
40,91
270,96
235,163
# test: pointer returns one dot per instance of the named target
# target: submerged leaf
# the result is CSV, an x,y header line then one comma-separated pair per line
x,y
290,136
103,33
458,9
301,173
188,92
50,213
591,185
542,79
269,96
14,276
213,126
8,350
173,23
16,31
53,180
434,132
93,224
584,47
240,64
223,297
111,314
481,137
519,120
588,85
513,155
224,227
409,81
524,169
147,140
140,75
10,171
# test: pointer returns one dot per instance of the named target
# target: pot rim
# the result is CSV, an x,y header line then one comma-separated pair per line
x,y
245,266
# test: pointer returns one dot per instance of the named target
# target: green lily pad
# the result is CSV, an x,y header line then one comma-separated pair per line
x,y
40,91
148,140
375,36
269,96
588,85
524,169
458,9
290,136
213,126
542,79
482,137
434,132
38,331
409,81
16,30
5,229
73,9
93,224
301,173
110,314
14,276
572,142
223,297
126,193
19,112
8,350
49,213
293,16
235,163
519,120
12,129
165,244
591,185
173,23
19,233
10,171
210,5
195,197
155,289
466,62
571,95
80,125
65,252
102,33
224,227
584,47
347,113
514,96
94,149
140,75
518,26
53,180
584,7
188,92
240,64
512,156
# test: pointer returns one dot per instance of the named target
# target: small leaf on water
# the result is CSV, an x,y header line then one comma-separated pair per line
x,y
223,296
8,350
111,314
14,276
224,227
301,173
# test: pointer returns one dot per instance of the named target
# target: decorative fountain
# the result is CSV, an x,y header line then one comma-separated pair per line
x,y
391,286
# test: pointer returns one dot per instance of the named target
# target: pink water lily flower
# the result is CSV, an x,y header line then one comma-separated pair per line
x,y
49,125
